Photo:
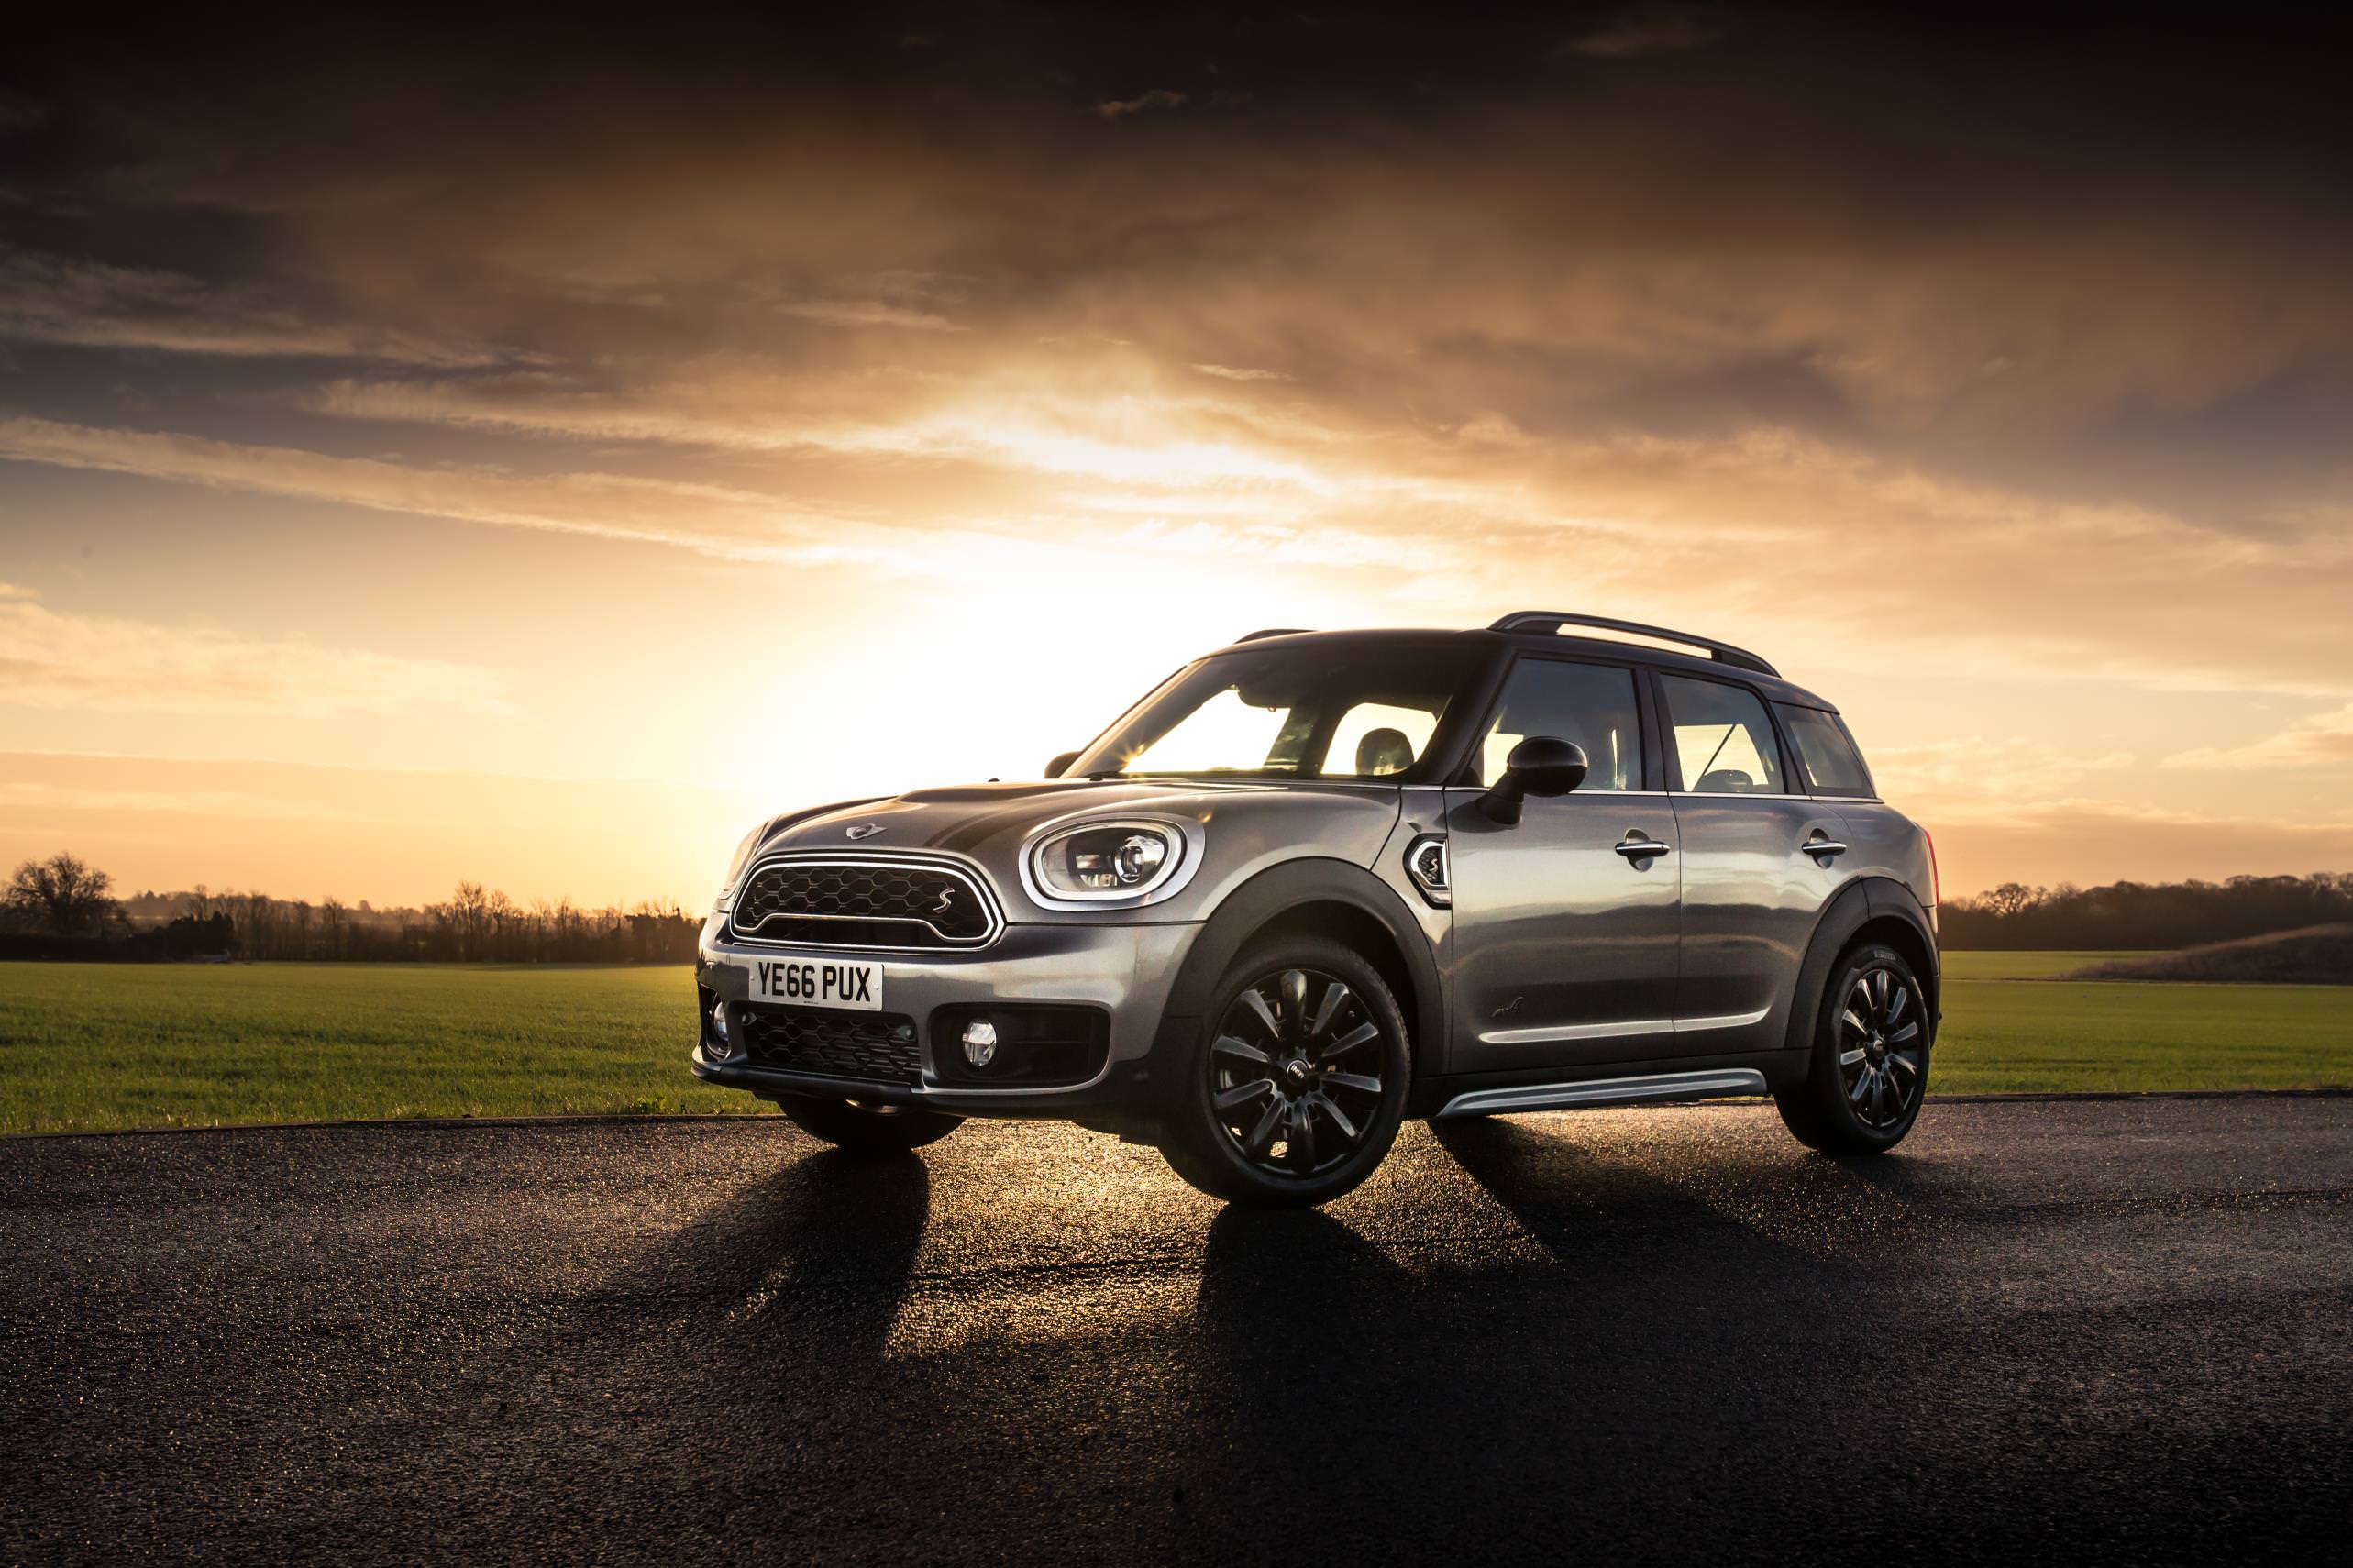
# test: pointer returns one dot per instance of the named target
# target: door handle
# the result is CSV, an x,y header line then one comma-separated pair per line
x,y
1823,848
1635,848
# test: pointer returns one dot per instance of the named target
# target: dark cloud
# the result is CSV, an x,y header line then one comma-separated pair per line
x,y
1157,98
21,112
2089,259
1656,28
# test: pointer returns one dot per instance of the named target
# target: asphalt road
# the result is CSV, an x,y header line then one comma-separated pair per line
x,y
2091,1331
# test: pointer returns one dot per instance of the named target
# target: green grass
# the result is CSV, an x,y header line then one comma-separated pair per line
x,y
92,1045
89,1046
2010,1029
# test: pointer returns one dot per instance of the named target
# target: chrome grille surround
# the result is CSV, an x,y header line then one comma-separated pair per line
x,y
869,903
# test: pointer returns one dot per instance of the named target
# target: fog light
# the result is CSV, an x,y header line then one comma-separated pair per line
x,y
979,1042
724,1042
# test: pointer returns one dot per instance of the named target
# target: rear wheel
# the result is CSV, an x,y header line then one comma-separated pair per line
x,y
1294,1092
1870,1066
867,1129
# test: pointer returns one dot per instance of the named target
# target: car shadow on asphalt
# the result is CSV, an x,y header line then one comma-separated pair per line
x,y
1417,1379
829,1239
1520,1388
1575,1199
833,1237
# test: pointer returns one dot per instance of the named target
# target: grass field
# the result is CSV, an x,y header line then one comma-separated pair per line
x,y
2009,1027
88,1046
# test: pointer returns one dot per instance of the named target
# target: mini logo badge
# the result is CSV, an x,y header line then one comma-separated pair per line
x,y
865,830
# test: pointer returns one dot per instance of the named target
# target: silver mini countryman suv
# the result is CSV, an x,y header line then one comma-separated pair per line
x,y
1316,883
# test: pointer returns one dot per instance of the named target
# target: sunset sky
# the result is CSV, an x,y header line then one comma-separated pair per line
x,y
530,456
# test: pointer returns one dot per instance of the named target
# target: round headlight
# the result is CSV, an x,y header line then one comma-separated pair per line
x,y
1140,854
1107,860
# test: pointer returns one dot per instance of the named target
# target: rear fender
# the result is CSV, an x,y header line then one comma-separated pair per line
x,y
1859,903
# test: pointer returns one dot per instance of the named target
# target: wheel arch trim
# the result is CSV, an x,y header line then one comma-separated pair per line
x,y
1861,903
1278,891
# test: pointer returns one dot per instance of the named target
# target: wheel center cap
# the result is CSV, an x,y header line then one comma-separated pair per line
x,y
1294,1071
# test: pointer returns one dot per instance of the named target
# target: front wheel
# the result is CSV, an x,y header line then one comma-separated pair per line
x,y
1870,1066
867,1129
1294,1093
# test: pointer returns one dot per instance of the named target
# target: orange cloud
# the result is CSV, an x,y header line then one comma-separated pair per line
x,y
102,663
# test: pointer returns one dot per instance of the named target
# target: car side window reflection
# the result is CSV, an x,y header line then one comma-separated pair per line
x,y
1591,704
1723,741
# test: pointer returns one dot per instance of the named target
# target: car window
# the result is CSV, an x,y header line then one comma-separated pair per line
x,y
1591,704
1225,732
1377,738
1722,739
1827,757
1306,711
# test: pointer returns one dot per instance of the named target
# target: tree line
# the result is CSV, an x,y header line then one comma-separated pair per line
x,y
65,907
2145,914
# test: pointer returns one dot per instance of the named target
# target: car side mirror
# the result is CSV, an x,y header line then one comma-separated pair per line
x,y
1061,764
1541,765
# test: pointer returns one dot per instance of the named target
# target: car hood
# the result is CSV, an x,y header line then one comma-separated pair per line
x,y
1246,828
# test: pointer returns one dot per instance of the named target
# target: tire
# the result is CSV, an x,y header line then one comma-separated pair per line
x,y
1322,1079
867,1129
1868,1072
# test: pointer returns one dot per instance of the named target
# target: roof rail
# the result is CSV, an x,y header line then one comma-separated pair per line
x,y
1554,620
1270,632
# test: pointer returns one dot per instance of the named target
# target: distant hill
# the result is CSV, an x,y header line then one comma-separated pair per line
x,y
2316,956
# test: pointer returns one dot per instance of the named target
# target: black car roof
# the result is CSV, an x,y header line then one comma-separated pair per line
x,y
1771,686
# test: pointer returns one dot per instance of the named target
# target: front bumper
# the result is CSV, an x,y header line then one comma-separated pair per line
x,y
1128,969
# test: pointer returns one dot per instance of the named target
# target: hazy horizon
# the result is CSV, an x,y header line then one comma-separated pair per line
x,y
530,458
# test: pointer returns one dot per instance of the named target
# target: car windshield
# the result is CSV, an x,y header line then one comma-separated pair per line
x,y
1307,712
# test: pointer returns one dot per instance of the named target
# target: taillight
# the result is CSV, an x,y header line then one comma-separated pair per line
x,y
1936,878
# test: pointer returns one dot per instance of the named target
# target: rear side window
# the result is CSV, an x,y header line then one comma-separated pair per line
x,y
1721,738
1826,752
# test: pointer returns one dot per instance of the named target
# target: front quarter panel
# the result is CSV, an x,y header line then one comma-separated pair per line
x,y
1244,833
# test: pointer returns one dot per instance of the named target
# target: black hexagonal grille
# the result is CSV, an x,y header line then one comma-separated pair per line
x,y
876,1046
855,903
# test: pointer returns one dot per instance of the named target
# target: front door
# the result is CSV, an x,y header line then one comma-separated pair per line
x,y
1564,936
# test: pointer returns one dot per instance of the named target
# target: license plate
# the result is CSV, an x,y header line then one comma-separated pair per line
x,y
818,982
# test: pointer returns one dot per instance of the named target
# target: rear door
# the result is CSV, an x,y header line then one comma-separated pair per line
x,y
1564,947
1760,861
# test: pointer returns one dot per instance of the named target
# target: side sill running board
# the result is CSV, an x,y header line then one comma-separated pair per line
x,y
1656,1089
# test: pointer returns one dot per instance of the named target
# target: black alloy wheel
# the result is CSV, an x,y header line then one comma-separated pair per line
x,y
1294,1072
1883,1047
1298,1085
1869,1073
